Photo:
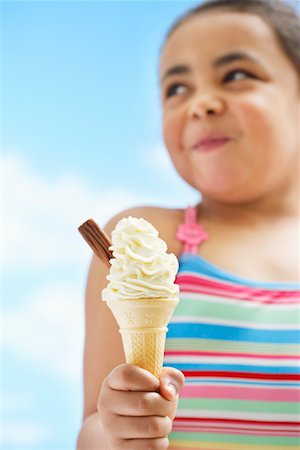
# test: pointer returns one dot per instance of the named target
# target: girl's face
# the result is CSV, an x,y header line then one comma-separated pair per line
x,y
231,106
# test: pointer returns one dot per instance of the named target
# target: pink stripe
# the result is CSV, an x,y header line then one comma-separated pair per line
x,y
234,425
197,283
227,285
198,289
241,355
241,393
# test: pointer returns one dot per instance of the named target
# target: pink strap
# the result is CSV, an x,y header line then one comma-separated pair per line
x,y
190,232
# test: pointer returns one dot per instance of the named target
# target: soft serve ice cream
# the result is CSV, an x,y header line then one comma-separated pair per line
x,y
140,267
141,292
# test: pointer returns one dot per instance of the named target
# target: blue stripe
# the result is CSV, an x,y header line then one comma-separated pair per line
x,y
228,333
189,262
235,368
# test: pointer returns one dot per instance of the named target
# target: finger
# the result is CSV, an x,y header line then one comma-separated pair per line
x,y
128,377
145,444
171,382
137,403
142,427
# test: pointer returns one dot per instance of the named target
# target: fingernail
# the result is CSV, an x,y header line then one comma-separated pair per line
x,y
172,388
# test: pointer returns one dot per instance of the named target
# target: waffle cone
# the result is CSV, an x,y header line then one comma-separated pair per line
x,y
143,327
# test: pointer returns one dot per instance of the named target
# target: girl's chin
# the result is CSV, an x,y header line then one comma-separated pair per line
x,y
226,182
229,195
232,191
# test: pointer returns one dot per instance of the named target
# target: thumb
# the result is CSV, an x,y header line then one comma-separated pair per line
x,y
171,382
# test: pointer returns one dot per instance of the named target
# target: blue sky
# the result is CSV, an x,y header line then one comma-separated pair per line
x,y
82,139
81,83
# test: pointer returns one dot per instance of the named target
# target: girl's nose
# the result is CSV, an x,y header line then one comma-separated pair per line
x,y
203,105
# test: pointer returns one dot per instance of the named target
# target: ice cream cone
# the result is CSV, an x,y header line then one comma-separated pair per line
x,y
143,327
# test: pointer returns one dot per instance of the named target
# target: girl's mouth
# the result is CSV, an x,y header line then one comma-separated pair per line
x,y
207,145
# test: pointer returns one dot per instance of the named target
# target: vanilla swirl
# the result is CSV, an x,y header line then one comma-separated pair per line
x,y
140,267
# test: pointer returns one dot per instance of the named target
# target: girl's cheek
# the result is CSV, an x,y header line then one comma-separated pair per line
x,y
251,111
170,131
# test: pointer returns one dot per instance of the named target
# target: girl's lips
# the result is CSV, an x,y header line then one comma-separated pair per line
x,y
210,144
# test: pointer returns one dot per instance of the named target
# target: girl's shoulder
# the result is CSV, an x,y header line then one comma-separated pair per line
x,y
165,220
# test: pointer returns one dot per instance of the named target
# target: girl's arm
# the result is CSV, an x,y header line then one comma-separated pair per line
x,y
102,352
91,435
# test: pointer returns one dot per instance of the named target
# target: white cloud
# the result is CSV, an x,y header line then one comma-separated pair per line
x,y
157,158
41,217
47,330
20,403
25,434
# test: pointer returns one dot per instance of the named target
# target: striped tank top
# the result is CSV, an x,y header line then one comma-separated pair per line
x,y
237,343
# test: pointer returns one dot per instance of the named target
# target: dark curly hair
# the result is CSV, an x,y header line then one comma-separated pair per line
x,y
280,15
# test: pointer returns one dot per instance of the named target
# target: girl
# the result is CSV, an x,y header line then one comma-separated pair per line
x,y
230,91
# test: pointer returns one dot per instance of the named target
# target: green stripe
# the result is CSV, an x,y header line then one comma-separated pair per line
x,y
242,311
231,346
234,438
239,405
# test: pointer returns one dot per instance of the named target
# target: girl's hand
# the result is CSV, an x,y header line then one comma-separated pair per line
x,y
137,409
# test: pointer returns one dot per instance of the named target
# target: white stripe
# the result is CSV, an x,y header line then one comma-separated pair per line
x,y
232,360
231,346
245,385
245,380
196,296
235,323
230,425
236,415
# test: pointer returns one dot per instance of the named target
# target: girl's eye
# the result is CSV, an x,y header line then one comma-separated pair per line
x,y
175,89
238,74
